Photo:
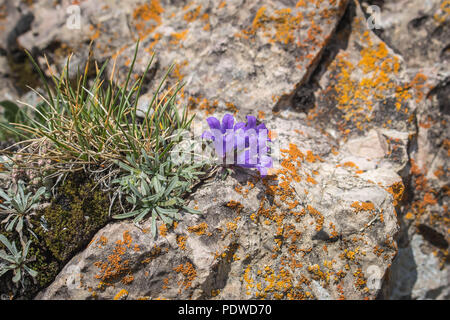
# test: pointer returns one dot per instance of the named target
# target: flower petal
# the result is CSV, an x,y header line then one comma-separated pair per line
x,y
207,135
251,122
239,125
228,141
240,158
261,126
239,139
266,161
213,123
227,122
219,147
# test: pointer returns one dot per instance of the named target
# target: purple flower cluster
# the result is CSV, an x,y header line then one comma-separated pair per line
x,y
242,144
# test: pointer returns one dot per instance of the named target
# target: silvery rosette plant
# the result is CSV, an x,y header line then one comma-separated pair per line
x,y
15,260
18,207
155,188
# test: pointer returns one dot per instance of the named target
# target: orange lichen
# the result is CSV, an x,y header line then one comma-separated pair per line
x,y
443,14
429,199
199,229
363,206
319,217
143,14
101,241
192,15
235,205
115,266
188,272
231,107
203,104
122,293
127,279
177,70
181,241
261,114
356,98
178,36
279,27
163,230
439,172
360,281
397,190
311,180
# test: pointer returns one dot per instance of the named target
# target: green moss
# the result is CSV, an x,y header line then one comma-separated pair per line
x,y
72,218
63,228
46,266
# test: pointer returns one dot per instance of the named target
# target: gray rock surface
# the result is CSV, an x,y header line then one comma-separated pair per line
x,y
418,30
372,103
420,275
317,231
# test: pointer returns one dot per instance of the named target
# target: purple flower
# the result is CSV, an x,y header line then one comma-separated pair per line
x,y
246,144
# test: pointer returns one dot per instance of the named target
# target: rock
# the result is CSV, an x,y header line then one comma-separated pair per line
x,y
15,19
65,28
314,232
372,146
364,85
419,274
385,177
370,104
249,54
7,90
418,30
424,214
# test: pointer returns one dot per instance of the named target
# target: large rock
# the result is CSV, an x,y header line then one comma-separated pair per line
x,y
424,214
418,275
238,55
416,29
315,230
7,90
372,103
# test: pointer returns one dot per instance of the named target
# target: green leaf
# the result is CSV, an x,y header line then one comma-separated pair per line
x,y
31,272
4,269
11,224
168,212
156,184
19,225
141,215
4,195
25,250
124,166
190,210
135,190
126,215
173,183
38,194
7,257
168,203
17,275
145,187
11,110
165,215
153,227
6,243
